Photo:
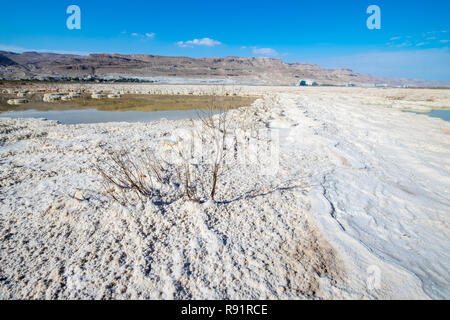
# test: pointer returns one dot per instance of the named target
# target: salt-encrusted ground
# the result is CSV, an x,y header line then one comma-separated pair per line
x,y
351,202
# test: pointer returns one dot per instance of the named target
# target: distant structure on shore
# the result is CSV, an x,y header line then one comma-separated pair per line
x,y
307,82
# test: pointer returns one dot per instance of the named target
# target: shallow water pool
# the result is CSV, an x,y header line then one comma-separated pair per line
x,y
442,114
97,116
129,108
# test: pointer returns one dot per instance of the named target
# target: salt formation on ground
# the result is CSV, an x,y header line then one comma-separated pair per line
x,y
98,96
52,97
354,204
16,102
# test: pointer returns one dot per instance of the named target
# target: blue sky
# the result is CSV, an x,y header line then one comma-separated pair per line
x,y
413,40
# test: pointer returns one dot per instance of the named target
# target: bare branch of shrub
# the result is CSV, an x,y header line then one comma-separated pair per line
x,y
151,178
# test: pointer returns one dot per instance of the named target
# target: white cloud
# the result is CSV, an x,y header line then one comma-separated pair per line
x,y
444,41
199,42
429,37
145,35
404,44
265,51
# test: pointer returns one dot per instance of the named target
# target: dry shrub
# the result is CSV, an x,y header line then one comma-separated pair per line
x,y
185,173
216,130
396,98
148,178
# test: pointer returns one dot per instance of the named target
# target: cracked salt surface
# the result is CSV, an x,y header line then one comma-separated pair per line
x,y
358,186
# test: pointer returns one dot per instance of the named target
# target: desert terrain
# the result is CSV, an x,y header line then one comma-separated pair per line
x,y
184,70
323,193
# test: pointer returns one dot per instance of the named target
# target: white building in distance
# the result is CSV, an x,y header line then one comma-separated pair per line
x,y
307,82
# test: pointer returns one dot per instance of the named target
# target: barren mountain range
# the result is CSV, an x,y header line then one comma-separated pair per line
x,y
239,70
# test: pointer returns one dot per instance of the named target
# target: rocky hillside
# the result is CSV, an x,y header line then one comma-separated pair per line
x,y
33,65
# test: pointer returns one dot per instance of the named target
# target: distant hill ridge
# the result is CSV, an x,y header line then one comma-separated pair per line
x,y
33,65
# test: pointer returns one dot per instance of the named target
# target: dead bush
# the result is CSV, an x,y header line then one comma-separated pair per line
x,y
184,173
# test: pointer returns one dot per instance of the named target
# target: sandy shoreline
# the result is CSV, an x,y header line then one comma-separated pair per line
x,y
355,206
